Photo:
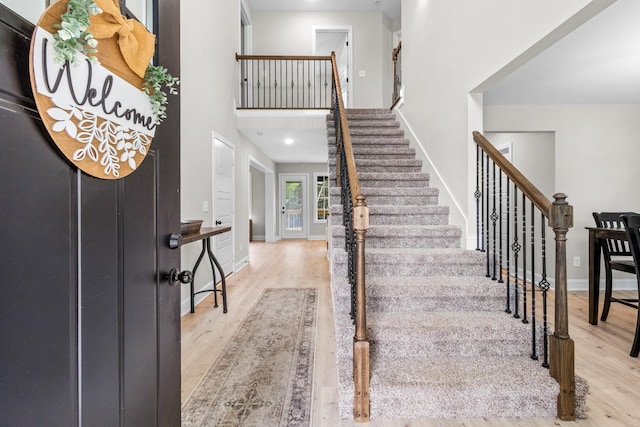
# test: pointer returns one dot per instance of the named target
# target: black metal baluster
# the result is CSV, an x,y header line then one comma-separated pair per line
x,y
257,97
309,83
282,84
487,247
267,96
494,219
524,259
482,222
501,201
534,344
508,310
516,249
289,67
477,195
544,286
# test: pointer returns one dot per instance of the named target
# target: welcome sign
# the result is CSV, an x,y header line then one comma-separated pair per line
x,y
96,114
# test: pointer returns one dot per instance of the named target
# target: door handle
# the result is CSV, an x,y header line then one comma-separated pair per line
x,y
218,222
175,241
176,276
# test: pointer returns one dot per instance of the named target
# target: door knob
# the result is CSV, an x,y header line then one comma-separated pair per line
x,y
218,222
175,241
176,276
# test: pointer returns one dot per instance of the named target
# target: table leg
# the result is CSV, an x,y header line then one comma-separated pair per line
x,y
594,276
193,278
213,272
213,259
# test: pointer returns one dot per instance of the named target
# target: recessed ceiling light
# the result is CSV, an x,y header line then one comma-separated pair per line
x,y
288,141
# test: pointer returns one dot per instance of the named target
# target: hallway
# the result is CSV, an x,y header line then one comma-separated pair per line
x,y
611,373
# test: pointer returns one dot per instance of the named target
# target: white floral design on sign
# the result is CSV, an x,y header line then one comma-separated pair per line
x,y
108,143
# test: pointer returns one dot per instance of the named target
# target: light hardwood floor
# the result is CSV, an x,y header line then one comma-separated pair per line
x,y
602,352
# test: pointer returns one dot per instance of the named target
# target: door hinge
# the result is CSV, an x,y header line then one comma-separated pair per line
x,y
347,43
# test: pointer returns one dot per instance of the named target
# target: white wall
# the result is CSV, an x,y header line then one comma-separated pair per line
x,y
28,9
290,33
596,162
451,48
257,203
210,38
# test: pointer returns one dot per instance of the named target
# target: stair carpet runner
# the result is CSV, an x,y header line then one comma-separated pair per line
x,y
441,344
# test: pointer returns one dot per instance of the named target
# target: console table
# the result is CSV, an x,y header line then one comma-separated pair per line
x,y
204,235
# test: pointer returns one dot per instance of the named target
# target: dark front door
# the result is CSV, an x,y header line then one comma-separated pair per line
x,y
89,331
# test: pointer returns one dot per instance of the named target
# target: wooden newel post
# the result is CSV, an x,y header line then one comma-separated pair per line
x,y
561,346
360,342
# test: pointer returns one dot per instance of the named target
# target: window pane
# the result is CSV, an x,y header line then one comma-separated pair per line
x,y
322,198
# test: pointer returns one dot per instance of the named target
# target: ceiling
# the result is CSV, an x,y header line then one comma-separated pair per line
x,y
389,7
598,63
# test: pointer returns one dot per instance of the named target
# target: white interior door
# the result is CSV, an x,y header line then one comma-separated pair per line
x,y
293,206
338,40
223,202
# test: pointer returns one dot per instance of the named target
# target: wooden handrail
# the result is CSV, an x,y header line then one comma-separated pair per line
x,y
394,58
532,192
396,51
284,57
348,148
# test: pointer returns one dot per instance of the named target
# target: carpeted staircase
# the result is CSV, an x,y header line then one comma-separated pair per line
x,y
441,343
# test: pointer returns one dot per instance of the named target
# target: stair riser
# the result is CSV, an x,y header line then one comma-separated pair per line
x,y
399,219
525,406
408,243
384,168
352,118
373,124
371,132
381,154
372,200
410,269
401,304
409,183
434,348
374,241
358,141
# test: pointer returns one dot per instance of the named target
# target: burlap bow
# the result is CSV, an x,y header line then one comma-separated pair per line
x,y
135,42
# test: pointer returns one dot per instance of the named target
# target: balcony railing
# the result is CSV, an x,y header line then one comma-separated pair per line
x,y
285,82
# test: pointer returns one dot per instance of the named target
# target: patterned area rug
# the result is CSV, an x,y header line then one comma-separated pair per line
x,y
263,377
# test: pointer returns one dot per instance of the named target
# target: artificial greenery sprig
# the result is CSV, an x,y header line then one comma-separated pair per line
x,y
155,77
72,35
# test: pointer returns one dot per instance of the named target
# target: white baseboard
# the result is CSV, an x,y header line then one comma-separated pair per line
x,y
617,285
258,238
241,264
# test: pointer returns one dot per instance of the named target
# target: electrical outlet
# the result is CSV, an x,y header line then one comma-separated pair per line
x,y
576,261
205,206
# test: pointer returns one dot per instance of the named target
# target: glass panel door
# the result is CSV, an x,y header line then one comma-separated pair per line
x,y
293,198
